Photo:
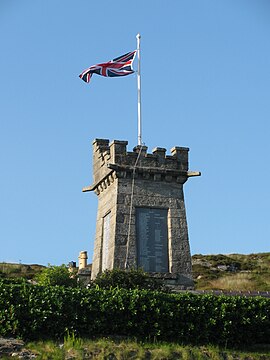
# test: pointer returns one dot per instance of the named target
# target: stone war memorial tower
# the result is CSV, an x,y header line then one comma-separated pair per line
x,y
141,217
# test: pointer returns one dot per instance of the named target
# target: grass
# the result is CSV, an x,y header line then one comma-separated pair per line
x,y
232,272
9,270
73,348
243,281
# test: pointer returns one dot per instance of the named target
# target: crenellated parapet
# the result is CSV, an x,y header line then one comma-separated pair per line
x,y
112,160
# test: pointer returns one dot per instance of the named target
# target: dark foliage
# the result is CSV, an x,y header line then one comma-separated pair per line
x,y
40,312
131,279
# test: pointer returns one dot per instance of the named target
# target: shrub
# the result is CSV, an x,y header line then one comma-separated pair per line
x,y
40,312
56,275
128,279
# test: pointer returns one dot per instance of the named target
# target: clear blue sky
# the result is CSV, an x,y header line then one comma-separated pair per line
x,y
205,85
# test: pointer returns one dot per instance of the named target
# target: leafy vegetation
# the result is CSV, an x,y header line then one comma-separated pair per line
x,y
40,312
130,304
232,272
131,279
56,275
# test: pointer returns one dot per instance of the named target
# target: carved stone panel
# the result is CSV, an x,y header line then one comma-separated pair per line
x,y
152,239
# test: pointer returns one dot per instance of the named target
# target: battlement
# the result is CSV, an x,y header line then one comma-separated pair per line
x,y
109,158
116,153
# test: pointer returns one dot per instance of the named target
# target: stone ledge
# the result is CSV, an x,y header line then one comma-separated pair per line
x,y
150,170
179,281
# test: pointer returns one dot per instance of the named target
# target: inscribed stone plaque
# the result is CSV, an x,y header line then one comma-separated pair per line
x,y
106,239
152,239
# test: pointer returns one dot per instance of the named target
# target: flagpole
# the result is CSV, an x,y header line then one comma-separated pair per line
x,y
139,91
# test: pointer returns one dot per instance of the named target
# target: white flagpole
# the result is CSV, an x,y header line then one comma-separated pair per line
x,y
139,91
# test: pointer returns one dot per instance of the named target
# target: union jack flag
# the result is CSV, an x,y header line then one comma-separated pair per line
x,y
120,66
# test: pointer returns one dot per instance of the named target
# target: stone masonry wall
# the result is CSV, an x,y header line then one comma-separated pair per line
x,y
158,195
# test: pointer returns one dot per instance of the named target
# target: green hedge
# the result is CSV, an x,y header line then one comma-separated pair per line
x,y
36,312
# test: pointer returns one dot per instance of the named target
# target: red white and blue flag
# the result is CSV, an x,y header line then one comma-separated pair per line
x,y
120,66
